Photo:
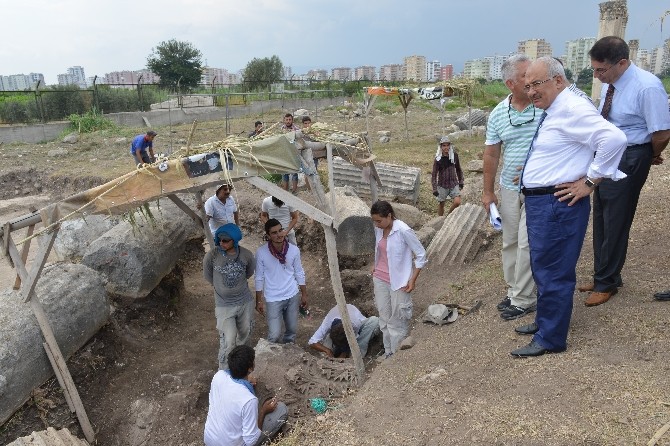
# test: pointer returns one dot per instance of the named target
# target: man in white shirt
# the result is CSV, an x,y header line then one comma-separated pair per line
x,y
234,418
220,208
330,338
280,283
273,207
573,150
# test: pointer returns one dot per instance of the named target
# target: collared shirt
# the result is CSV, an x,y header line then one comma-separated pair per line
x,y
639,105
573,88
232,418
515,139
141,144
220,213
402,245
570,135
278,281
355,315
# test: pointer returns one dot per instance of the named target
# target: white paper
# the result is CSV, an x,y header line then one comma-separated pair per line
x,y
494,217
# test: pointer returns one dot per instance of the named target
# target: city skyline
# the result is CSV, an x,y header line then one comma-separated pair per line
x,y
231,34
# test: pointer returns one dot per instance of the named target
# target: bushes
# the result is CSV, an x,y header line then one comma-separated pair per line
x,y
90,122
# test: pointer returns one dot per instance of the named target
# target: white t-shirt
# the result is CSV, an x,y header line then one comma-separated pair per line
x,y
232,418
282,214
355,315
278,281
220,213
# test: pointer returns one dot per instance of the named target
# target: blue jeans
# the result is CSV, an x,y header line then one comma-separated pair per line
x,y
141,157
284,310
555,234
234,325
369,328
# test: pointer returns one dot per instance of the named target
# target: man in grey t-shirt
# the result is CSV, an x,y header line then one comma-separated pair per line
x,y
227,268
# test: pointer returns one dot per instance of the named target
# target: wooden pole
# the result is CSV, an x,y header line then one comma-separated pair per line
x,y
25,249
190,137
203,218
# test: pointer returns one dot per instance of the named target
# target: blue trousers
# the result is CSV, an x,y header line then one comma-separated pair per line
x,y
555,234
282,311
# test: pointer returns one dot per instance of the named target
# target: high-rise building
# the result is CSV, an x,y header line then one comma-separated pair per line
x,y
66,79
642,59
215,76
414,68
317,75
577,54
477,68
341,73
78,76
288,72
534,48
20,82
447,72
433,70
495,66
366,72
391,72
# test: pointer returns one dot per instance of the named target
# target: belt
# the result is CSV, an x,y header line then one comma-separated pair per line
x,y
637,146
540,190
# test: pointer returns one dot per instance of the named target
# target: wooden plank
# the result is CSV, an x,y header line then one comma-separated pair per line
x,y
184,207
38,264
331,178
25,249
59,376
16,260
291,200
61,367
336,279
205,227
7,229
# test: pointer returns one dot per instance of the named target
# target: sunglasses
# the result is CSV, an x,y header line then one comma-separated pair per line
x,y
225,240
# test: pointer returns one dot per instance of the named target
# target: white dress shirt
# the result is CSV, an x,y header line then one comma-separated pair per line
x,y
355,315
564,149
220,213
401,245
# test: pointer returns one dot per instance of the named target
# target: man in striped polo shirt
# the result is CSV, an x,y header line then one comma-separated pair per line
x,y
509,131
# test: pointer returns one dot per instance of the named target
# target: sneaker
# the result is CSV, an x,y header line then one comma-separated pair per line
x,y
506,302
513,312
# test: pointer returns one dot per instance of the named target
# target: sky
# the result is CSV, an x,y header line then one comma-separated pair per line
x,y
48,36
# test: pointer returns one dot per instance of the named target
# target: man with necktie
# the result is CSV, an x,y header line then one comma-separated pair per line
x,y
573,150
636,102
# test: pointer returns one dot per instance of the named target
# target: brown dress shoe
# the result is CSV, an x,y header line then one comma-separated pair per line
x,y
583,287
599,297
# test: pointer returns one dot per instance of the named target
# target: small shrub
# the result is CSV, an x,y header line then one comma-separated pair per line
x,y
90,122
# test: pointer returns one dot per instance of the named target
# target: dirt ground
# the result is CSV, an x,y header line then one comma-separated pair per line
x,y
144,378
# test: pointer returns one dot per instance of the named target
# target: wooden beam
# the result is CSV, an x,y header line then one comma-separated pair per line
x,y
331,177
16,260
291,200
25,249
205,227
38,264
336,279
60,367
184,207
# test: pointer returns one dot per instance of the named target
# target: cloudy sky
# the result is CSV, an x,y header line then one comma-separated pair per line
x,y
48,36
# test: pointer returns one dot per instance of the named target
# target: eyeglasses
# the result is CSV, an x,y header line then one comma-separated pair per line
x,y
509,115
601,71
535,84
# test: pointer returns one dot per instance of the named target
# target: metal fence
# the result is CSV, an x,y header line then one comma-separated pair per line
x,y
57,103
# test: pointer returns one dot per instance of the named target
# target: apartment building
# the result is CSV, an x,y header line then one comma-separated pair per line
x,y
534,48
414,68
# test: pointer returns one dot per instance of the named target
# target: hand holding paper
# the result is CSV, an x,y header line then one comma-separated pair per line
x,y
494,217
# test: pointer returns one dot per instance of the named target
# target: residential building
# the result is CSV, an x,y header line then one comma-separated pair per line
x,y
391,72
477,68
495,66
341,73
214,76
642,59
317,75
577,54
66,79
447,72
288,72
414,68
656,60
534,48
20,82
78,76
433,70
366,72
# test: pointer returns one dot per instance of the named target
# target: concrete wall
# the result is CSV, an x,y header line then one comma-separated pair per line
x,y
33,134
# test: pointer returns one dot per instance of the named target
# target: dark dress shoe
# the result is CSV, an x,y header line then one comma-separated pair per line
x,y
532,349
662,295
527,329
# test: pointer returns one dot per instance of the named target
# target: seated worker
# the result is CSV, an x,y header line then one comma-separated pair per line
x,y
330,338
234,417
258,129
139,146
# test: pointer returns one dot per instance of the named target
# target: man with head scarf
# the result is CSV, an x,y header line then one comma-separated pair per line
x,y
227,268
447,176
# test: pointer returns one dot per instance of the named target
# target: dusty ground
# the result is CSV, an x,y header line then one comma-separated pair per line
x,y
144,378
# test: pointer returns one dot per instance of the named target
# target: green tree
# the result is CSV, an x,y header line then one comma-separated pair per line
x,y
177,63
568,74
260,73
585,77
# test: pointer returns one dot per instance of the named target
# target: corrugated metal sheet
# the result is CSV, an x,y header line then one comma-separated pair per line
x,y
397,181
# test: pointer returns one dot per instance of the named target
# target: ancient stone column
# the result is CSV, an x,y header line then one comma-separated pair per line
x,y
613,21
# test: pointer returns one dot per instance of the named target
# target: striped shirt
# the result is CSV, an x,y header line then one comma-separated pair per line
x,y
515,139
573,88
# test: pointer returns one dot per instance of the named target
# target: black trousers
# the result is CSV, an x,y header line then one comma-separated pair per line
x,y
614,205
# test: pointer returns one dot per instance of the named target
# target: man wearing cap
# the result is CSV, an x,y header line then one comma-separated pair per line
x,y
447,176
273,207
280,283
227,268
636,102
139,146
509,132
330,338
221,208
573,150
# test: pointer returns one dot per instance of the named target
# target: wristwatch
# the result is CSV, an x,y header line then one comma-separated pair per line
x,y
589,182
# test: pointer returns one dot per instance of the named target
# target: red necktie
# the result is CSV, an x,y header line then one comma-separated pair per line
x,y
607,106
